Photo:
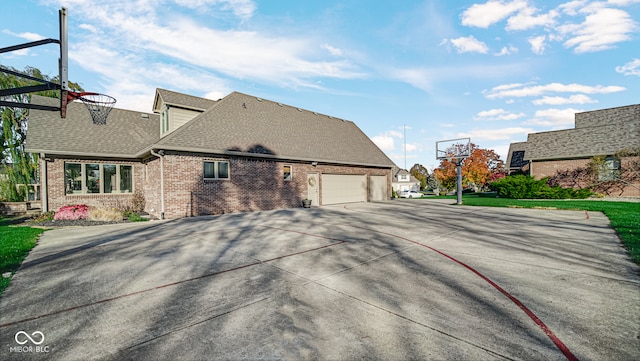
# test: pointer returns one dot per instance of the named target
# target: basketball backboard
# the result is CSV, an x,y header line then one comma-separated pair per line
x,y
459,148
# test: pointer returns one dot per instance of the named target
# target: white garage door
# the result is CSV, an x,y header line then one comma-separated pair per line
x,y
342,188
378,188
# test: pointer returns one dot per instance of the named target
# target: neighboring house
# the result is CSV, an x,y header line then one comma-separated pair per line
x,y
404,181
194,156
605,133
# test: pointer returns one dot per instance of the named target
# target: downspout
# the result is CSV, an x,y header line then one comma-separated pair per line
x,y
160,155
43,184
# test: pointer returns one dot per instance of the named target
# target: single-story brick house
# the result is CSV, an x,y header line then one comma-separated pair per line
x,y
613,135
194,156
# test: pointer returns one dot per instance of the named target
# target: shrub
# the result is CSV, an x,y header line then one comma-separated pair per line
x,y
519,186
72,213
137,202
100,214
133,216
526,187
46,216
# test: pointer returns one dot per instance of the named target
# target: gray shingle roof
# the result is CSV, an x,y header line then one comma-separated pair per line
x,y
126,133
601,132
238,124
245,125
181,100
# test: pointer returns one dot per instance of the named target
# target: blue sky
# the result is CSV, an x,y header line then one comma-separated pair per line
x,y
490,70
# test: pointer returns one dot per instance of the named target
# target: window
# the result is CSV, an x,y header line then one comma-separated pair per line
x,y
126,179
288,175
92,178
216,170
73,178
165,120
609,170
109,171
89,178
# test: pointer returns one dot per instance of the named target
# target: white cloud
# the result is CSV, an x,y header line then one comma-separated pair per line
x,y
491,12
243,9
507,50
495,134
527,19
601,29
384,142
497,114
332,50
574,99
469,44
411,147
26,35
537,44
630,68
139,35
554,117
513,90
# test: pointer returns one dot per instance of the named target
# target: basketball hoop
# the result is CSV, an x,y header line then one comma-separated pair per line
x,y
99,105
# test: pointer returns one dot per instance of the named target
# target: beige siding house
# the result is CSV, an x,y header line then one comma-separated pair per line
x,y
194,156
610,134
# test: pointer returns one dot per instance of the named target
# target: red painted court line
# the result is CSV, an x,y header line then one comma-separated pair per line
x,y
338,241
559,344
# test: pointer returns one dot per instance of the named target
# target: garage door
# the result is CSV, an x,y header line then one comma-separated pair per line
x,y
378,188
341,188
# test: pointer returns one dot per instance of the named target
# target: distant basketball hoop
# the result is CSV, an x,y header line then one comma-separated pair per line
x,y
99,105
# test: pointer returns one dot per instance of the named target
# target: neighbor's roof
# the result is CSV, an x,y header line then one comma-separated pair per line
x,y
599,132
176,99
241,124
126,133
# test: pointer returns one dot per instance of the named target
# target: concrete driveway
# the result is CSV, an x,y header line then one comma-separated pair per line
x,y
406,279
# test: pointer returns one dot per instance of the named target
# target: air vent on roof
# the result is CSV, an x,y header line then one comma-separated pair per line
x,y
315,113
280,104
299,109
258,99
144,115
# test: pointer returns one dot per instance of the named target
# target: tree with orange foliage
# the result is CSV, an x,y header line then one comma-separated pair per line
x,y
477,170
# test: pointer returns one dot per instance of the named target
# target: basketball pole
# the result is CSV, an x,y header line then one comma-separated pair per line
x,y
459,181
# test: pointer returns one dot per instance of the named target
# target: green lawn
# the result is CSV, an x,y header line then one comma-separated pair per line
x,y
15,244
624,216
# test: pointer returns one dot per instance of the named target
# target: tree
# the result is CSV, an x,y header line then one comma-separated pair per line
x,y
479,169
19,166
419,172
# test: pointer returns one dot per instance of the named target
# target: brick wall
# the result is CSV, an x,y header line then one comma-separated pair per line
x,y
57,198
253,185
541,169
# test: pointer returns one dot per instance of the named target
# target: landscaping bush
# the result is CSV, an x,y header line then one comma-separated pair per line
x,y
133,216
72,213
105,215
526,187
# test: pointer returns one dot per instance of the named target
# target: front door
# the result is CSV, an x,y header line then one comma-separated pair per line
x,y
312,188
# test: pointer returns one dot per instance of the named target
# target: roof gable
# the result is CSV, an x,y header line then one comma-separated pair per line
x,y
180,100
125,135
241,124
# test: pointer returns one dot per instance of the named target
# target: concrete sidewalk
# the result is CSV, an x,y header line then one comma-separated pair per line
x,y
415,279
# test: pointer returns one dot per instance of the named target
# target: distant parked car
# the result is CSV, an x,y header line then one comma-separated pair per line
x,y
410,194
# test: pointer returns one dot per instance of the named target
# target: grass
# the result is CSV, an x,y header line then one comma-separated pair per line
x,y
15,244
624,217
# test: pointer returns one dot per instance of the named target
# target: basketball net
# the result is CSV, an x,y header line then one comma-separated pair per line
x,y
99,105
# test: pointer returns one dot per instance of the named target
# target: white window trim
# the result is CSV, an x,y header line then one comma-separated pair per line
x,y
290,172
